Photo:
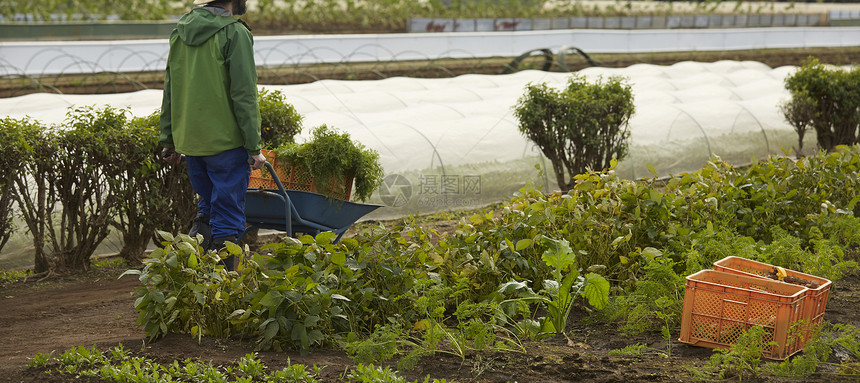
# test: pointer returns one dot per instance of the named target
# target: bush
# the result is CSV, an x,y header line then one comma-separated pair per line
x,y
280,122
826,99
34,186
13,153
580,128
73,186
152,194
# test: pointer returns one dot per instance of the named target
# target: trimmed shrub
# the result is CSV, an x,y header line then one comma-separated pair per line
x,y
580,128
827,99
279,121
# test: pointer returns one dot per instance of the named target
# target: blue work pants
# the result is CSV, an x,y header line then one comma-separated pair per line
x,y
221,181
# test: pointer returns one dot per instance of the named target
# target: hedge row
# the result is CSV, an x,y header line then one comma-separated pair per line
x,y
74,183
99,171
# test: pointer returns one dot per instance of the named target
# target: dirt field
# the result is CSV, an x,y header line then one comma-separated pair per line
x,y
55,315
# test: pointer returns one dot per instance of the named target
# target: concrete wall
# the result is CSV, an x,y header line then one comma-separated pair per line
x,y
417,25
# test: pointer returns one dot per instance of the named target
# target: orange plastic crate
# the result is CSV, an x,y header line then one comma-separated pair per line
x,y
292,177
719,306
814,300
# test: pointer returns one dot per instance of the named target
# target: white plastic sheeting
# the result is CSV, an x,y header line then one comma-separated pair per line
x,y
70,57
444,135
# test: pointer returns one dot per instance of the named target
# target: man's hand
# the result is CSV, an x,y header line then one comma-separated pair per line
x,y
257,161
170,156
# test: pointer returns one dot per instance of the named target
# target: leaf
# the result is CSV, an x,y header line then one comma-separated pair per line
x,y
272,299
311,285
232,248
652,170
325,238
129,272
236,313
596,290
558,255
338,258
169,303
192,261
422,325
271,329
652,253
141,301
290,241
508,244
311,320
165,235
548,326
340,297
306,239
186,248
523,244
512,287
156,296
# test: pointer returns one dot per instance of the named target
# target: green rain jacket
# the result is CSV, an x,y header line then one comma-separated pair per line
x,y
210,86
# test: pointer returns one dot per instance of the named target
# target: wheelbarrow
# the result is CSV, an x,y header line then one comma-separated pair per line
x,y
297,211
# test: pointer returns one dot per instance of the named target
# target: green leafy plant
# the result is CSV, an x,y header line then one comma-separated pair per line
x,y
559,294
295,373
12,276
742,358
582,127
637,349
511,272
39,360
251,367
185,290
656,298
382,345
331,158
818,350
373,374
116,365
64,191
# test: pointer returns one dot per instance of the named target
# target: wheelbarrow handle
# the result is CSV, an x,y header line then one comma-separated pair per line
x,y
274,175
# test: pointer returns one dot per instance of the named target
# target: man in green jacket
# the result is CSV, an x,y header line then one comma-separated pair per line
x,y
210,115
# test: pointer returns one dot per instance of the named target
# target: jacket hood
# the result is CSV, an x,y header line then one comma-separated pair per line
x,y
200,24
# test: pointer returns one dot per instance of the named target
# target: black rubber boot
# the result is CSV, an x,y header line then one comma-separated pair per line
x,y
200,225
218,244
